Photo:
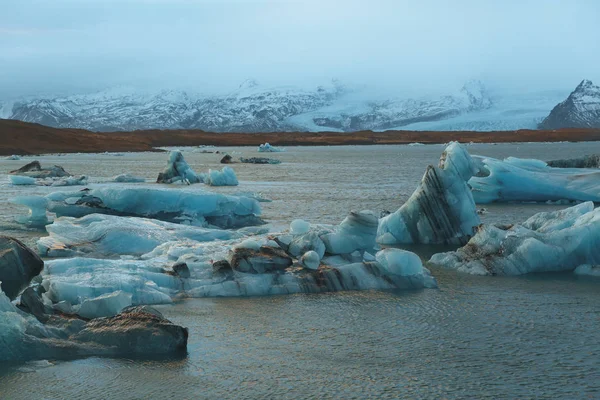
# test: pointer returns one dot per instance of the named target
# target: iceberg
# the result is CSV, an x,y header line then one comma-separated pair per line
x,y
105,305
526,180
547,242
192,207
296,262
267,148
441,210
134,332
177,170
225,177
108,235
54,181
127,178
34,170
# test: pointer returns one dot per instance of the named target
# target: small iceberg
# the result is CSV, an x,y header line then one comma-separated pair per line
x,y
225,177
19,180
547,242
34,170
267,148
177,170
127,178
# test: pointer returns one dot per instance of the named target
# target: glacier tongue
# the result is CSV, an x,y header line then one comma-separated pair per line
x,y
441,210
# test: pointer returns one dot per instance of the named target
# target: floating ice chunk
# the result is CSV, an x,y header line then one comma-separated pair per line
x,y
127,178
588,161
193,207
106,305
22,180
441,210
225,177
14,157
56,181
267,148
547,242
108,235
248,244
310,260
400,262
36,217
177,170
356,232
34,170
299,227
588,270
76,279
515,179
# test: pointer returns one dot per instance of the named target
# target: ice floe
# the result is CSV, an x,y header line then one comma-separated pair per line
x,y
527,180
19,180
108,235
194,207
547,242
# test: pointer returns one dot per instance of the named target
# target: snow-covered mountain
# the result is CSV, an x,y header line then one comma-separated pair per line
x,y
255,108
580,110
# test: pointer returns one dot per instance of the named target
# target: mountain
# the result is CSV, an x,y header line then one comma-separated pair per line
x,y
255,108
580,110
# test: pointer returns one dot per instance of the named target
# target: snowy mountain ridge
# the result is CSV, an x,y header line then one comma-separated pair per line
x,y
580,110
256,108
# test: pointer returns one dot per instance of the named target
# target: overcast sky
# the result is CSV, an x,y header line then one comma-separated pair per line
x,y
62,46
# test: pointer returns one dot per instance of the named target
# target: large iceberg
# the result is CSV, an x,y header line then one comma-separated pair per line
x,y
441,210
517,179
177,170
108,235
194,207
547,242
308,259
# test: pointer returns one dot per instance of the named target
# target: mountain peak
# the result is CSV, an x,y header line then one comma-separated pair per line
x,y
248,84
580,110
585,84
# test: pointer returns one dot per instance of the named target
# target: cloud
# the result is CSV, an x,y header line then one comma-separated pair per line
x,y
402,46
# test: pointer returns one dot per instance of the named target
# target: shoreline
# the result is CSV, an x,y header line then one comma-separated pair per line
x,y
22,138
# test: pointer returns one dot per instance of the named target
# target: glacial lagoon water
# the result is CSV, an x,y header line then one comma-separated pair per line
x,y
533,336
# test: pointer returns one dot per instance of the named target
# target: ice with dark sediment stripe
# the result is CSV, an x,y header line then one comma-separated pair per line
x,y
441,210
547,242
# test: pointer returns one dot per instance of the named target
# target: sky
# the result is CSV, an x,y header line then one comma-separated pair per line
x,y
402,46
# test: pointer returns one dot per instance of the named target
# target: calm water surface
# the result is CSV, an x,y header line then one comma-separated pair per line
x,y
476,337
